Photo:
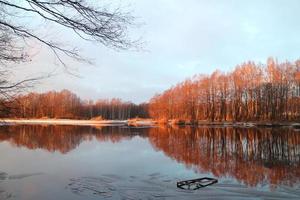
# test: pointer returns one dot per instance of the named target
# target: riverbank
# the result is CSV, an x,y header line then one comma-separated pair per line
x,y
176,122
62,122
146,122
130,122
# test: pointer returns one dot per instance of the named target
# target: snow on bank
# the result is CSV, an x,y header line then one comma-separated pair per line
x,y
62,122
141,123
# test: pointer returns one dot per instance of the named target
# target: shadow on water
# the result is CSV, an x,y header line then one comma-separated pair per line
x,y
250,156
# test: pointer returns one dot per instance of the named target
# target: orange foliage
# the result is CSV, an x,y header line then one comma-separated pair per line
x,y
250,92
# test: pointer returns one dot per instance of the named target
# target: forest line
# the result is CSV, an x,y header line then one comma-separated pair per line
x,y
250,92
67,105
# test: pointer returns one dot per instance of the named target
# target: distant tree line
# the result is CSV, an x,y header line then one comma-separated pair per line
x,y
250,92
65,104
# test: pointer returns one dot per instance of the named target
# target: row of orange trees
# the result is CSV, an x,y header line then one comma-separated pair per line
x,y
65,104
251,91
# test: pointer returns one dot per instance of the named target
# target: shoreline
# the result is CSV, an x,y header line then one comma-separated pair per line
x,y
144,122
249,124
62,122
252,123
77,122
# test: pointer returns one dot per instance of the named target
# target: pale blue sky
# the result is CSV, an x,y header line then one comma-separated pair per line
x,y
182,38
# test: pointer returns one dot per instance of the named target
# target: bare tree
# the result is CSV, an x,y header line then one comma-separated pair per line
x,y
9,52
107,27
90,22
251,92
65,104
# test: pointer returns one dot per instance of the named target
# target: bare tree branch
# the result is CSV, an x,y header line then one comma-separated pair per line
x,y
109,28
97,24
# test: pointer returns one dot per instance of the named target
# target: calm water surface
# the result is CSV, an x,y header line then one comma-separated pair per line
x,y
78,162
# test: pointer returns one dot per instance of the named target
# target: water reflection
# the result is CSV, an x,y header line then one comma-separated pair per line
x,y
249,155
252,156
63,138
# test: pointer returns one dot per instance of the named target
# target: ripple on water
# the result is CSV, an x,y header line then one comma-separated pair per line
x,y
117,187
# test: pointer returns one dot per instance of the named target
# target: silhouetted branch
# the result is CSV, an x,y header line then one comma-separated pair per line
x,y
89,23
97,24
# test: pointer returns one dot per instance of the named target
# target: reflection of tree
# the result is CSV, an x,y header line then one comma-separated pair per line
x,y
252,156
62,138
